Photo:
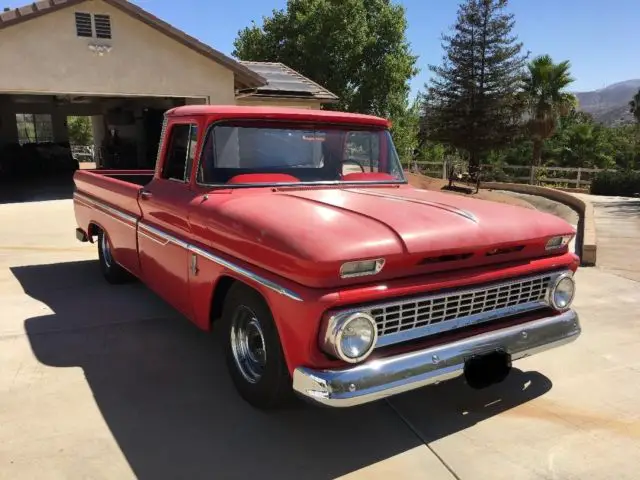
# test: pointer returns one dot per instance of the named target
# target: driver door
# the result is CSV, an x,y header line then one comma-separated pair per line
x,y
164,231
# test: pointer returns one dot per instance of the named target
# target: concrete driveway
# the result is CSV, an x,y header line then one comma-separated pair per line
x,y
106,382
618,232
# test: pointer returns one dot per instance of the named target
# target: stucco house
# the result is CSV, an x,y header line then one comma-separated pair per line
x,y
122,66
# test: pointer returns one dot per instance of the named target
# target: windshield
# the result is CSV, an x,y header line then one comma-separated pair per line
x,y
275,154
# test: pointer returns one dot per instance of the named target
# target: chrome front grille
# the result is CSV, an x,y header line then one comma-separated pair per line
x,y
426,315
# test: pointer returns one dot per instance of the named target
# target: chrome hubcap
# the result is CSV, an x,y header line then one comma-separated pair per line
x,y
106,250
247,344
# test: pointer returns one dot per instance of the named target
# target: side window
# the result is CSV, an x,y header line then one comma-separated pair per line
x,y
180,152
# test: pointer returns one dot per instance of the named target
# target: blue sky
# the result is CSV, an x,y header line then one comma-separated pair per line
x,y
599,37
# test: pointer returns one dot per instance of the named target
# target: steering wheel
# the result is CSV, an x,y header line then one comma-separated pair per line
x,y
351,160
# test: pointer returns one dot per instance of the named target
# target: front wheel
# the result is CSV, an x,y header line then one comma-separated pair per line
x,y
252,348
111,271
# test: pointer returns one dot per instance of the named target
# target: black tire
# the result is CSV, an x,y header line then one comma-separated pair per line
x,y
111,271
272,388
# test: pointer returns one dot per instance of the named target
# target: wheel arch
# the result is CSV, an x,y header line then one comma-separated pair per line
x,y
219,294
93,229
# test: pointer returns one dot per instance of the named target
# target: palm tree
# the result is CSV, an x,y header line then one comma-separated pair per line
x,y
634,106
544,88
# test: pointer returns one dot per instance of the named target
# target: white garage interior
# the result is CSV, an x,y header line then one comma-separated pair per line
x,y
120,67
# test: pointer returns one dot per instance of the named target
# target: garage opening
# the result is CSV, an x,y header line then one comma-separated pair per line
x,y
45,138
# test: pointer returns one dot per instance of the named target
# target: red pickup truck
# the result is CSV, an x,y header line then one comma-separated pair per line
x,y
296,233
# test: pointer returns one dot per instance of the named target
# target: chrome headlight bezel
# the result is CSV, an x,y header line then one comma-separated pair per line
x,y
551,298
334,327
376,265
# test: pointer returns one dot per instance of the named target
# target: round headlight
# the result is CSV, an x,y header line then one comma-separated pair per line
x,y
562,293
356,337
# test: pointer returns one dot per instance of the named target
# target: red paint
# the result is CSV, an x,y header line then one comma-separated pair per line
x,y
299,236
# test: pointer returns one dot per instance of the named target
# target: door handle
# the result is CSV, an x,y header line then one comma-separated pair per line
x,y
145,194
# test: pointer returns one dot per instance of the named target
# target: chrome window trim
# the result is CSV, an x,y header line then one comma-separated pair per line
x,y
331,183
449,325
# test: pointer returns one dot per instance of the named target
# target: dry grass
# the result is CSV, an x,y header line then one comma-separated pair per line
x,y
430,183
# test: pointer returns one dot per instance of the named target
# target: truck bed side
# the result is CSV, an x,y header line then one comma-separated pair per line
x,y
108,200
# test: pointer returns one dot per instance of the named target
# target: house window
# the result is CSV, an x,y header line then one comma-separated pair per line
x,y
34,128
87,24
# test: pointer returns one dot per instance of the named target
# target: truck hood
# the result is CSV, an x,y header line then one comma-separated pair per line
x,y
305,234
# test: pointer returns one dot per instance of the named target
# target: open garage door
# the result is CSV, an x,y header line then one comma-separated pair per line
x,y
39,143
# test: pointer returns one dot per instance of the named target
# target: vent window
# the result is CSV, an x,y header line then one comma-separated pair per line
x,y
103,26
83,24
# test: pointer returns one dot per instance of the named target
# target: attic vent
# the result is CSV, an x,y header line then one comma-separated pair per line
x,y
103,26
83,24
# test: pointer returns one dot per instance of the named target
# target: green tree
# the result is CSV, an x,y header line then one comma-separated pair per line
x,y
634,106
80,130
355,48
473,101
547,99
404,128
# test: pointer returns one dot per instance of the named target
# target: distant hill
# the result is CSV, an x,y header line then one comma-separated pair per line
x,y
610,105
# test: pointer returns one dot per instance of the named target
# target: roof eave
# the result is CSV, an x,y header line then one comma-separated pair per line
x,y
323,99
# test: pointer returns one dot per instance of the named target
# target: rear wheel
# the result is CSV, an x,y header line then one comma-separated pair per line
x,y
111,271
252,348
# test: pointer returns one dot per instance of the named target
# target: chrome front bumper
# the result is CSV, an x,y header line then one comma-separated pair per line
x,y
378,379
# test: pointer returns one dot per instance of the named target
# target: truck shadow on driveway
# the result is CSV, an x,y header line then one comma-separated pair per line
x,y
55,187
163,390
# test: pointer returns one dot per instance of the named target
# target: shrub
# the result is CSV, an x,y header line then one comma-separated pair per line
x,y
622,183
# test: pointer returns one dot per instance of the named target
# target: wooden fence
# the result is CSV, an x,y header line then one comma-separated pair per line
x,y
567,177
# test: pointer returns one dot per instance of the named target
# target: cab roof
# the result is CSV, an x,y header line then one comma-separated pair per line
x,y
277,113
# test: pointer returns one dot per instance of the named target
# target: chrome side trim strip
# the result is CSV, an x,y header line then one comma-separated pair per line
x,y
246,273
380,378
125,218
146,229
153,239
155,234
